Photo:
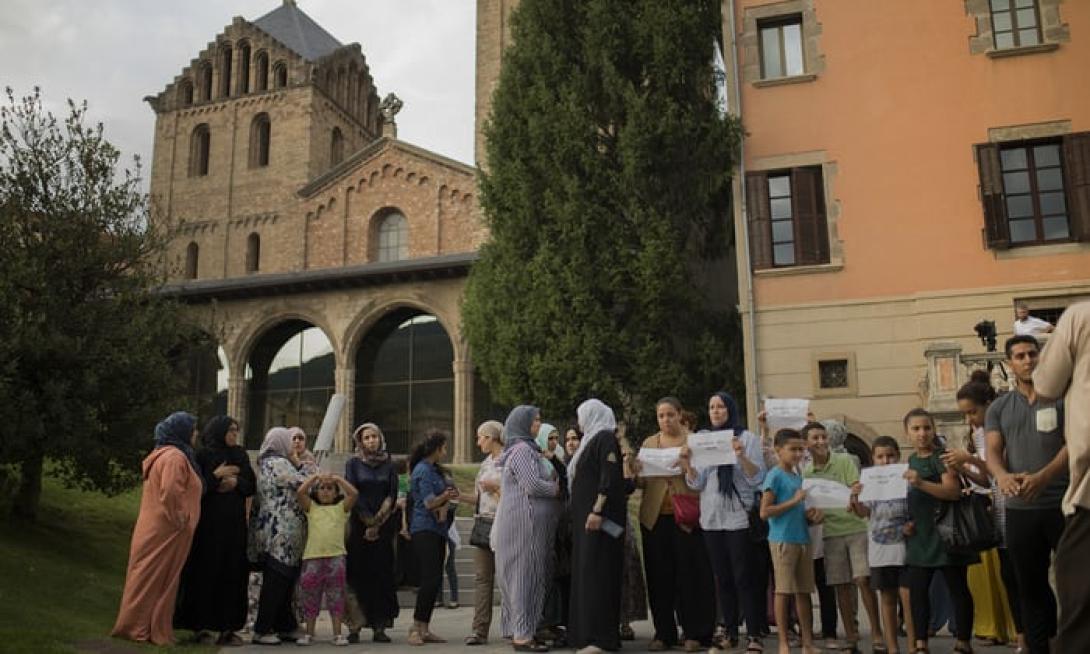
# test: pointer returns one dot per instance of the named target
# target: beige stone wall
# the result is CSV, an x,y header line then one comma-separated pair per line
x,y
887,338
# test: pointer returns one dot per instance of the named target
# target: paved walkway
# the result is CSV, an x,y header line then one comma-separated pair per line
x,y
454,625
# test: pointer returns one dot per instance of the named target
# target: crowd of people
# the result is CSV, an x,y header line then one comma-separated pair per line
x,y
724,548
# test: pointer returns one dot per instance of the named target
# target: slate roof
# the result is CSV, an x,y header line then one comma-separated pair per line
x,y
292,27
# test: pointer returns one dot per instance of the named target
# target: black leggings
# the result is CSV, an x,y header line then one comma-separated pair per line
x,y
679,582
430,549
827,600
731,555
274,609
919,584
1010,581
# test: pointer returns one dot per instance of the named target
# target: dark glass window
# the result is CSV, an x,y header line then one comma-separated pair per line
x,y
199,145
1033,189
405,378
1015,23
833,373
781,47
783,227
260,133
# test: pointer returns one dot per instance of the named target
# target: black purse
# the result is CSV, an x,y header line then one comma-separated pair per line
x,y
758,528
967,526
481,534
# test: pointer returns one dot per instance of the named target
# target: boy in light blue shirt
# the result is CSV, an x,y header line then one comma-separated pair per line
x,y
782,504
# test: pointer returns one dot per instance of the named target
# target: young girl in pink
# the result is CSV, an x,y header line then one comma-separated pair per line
x,y
327,500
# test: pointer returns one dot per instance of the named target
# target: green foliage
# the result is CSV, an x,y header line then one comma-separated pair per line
x,y
84,340
608,195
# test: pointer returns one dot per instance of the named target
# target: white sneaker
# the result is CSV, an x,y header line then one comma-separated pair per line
x,y
340,640
266,639
303,640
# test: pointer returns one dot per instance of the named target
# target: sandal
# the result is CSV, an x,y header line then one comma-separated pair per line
x,y
656,646
755,646
529,646
476,639
229,639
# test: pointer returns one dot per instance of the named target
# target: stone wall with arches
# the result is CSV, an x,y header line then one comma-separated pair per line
x,y
345,317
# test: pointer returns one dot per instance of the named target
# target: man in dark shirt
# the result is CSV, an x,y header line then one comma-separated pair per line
x,y
1028,457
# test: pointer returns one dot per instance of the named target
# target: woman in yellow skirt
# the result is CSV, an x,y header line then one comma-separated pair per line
x,y
997,615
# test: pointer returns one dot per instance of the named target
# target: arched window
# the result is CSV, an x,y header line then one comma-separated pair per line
x,y
199,144
393,237
261,79
280,73
244,67
191,254
253,253
260,130
226,61
206,81
185,93
336,147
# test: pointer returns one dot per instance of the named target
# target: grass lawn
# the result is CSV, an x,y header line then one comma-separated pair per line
x,y
61,578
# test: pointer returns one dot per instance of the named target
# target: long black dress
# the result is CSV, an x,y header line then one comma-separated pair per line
x,y
212,592
597,558
371,566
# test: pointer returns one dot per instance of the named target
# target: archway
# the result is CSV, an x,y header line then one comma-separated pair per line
x,y
289,380
405,377
205,373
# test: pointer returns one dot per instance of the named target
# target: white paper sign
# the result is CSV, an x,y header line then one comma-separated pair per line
x,y
785,414
826,494
712,448
884,483
659,462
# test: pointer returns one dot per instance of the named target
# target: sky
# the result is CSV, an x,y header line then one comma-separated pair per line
x,y
112,53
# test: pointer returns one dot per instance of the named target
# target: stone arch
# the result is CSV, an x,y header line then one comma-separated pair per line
x,y
261,71
244,52
371,313
249,334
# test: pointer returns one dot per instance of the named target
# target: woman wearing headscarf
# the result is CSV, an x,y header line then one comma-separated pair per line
x,y
212,597
679,577
371,531
554,618
548,440
277,535
728,494
597,500
170,507
522,535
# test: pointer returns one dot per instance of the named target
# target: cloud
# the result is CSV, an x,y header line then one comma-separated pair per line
x,y
114,52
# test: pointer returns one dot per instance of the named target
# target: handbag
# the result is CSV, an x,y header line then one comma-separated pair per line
x,y
758,527
686,510
481,534
967,526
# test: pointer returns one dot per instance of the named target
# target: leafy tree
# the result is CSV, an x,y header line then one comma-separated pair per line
x,y
85,343
608,198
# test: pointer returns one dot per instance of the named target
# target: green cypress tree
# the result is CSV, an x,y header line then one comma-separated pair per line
x,y
608,196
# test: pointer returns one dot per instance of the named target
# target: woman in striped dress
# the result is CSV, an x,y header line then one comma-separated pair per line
x,y
522,534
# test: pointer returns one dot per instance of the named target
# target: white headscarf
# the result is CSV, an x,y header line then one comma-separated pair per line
x,y
277,443
594,418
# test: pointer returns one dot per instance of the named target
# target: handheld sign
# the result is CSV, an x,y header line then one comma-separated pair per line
x,y
785,414
659,462
825,494
884,483
712,448
324,444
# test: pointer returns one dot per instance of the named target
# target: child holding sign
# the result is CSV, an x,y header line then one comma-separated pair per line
x,y
889,525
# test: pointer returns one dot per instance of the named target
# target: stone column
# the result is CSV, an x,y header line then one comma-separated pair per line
x,y
236,405
344,381
463,411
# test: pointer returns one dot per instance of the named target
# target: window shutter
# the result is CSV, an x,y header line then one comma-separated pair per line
x,y
996,229
1076,149
811,230
760,223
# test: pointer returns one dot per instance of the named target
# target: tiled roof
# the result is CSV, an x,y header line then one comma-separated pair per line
x,y
292,27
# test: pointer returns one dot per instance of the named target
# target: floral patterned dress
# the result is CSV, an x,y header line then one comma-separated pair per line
x,y
277,523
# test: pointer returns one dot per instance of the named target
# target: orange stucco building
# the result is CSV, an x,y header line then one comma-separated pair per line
x,y
911,168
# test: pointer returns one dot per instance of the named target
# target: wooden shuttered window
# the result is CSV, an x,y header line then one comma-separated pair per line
x,y
1076,161
1075,155
760,225
808,202
809,233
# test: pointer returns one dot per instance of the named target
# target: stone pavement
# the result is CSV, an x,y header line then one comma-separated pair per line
x,y
454,625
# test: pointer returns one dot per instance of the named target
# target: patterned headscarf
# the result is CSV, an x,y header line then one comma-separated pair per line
x,y
372,459
594,418
176,430
277,443
517,428
838,434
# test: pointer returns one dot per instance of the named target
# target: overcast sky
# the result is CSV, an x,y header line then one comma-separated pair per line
x,y
114,52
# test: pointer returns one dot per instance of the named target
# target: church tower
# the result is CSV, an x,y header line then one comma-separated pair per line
x,y
266,107
493,36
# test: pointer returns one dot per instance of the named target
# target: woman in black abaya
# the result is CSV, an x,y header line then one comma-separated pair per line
x,y
597,496
212,593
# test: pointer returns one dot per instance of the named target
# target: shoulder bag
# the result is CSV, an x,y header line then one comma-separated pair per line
x,y
481,535
967,526
686,509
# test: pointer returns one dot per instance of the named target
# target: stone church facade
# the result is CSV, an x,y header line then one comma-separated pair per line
x,y
324,254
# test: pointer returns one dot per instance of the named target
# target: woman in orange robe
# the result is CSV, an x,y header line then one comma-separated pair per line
x,y
169,510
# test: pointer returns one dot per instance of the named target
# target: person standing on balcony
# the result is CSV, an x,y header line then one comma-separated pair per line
x,y
1027,325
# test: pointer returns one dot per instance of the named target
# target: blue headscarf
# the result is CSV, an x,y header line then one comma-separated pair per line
x,y
517,427
725,473
176,430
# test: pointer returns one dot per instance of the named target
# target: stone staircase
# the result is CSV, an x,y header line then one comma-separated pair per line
x,y
466,573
